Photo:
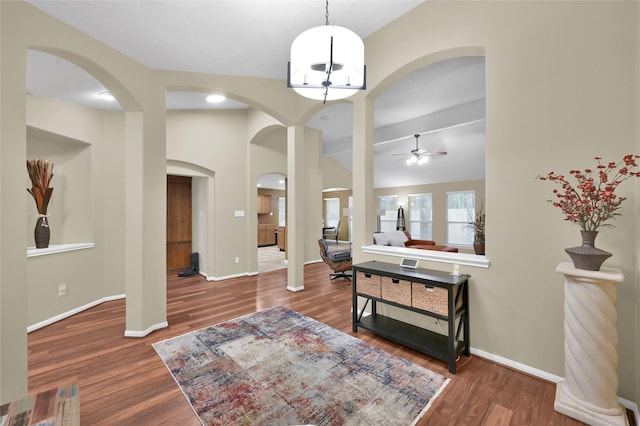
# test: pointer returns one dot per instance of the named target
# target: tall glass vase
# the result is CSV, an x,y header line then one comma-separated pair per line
x,y
587,256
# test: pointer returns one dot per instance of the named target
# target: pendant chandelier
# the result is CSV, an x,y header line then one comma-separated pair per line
x,y
327,62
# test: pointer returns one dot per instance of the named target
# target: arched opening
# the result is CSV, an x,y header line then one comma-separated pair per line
x,y
429,151
271,222
442,100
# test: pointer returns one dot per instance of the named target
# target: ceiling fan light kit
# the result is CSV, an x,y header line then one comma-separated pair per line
x,y
421,156
416,159
327,63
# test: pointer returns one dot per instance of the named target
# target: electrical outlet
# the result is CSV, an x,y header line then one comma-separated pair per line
x,y
62,289
237,259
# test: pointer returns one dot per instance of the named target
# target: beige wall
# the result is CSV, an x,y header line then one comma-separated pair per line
x,y
84,207
560,79
554,101
334,175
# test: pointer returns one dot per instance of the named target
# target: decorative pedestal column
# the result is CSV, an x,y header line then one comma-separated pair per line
x,y
589,392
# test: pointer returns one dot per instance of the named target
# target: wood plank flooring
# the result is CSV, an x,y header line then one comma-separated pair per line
x,y
123,382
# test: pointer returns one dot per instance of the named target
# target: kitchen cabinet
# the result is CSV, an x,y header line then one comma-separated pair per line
x,y
282,238
264,204
266,235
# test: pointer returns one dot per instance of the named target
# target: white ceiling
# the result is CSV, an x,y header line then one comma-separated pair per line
x,y
444,102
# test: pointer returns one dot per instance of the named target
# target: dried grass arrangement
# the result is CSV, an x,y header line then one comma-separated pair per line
x,y
40,173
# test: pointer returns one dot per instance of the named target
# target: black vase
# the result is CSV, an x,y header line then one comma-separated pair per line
x,y
587,256
42,233
478,244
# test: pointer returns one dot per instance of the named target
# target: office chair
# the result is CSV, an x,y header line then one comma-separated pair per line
x,y
339,261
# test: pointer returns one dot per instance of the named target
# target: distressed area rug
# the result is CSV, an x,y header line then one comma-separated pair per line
x,y
279,367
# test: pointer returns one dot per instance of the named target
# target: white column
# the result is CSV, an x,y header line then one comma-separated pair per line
x,y
589,392
364,203
295,208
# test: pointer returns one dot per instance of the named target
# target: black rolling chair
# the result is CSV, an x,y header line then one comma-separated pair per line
x,y
339,261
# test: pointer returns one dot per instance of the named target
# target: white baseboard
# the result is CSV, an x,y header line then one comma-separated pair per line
x,y
295,289
143,333
72,312
516,365
631,406
228,277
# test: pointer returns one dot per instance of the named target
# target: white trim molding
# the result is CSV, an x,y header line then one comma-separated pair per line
x,y
57,248
430,255
72,312
228,277
144,333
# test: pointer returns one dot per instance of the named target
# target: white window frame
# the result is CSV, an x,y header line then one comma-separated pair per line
x,y
282,211
388,220
331,212
458,221
419,227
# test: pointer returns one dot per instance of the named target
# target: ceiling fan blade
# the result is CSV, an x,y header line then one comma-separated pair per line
x,y
418,153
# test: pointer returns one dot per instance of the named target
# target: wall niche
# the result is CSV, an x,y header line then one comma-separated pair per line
x,y
70,215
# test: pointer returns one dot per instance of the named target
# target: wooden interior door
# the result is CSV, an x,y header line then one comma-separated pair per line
x,y
178,221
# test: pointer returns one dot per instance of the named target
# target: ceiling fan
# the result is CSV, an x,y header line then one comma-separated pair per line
x,y
421,156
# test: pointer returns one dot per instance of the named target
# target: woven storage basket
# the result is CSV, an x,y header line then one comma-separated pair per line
x,y
368,284
395,290
428,298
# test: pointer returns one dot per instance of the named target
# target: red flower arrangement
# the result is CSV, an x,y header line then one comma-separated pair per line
x,y
592,201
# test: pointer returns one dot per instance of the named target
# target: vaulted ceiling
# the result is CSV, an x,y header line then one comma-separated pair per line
x,y
444,102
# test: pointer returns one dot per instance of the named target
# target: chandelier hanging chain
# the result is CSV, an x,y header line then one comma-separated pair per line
x,y
326,13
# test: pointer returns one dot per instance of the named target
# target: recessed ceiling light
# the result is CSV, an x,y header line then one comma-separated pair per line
x,y
106,95
215,98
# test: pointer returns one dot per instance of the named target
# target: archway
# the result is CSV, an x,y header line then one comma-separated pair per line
x,y
271,222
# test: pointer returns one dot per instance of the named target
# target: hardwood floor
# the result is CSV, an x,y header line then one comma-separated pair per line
x,y
123,382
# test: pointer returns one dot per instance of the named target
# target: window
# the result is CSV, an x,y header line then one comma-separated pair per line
x,y
282,211
460,211
388,217
420,216
332,211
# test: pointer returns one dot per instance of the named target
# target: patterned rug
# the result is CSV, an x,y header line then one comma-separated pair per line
x,y
279,367
55,407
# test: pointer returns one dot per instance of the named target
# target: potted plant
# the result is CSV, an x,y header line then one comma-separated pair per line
x,y
478,230
590,203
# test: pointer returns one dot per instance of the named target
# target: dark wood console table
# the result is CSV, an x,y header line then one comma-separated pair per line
x,y
435,294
